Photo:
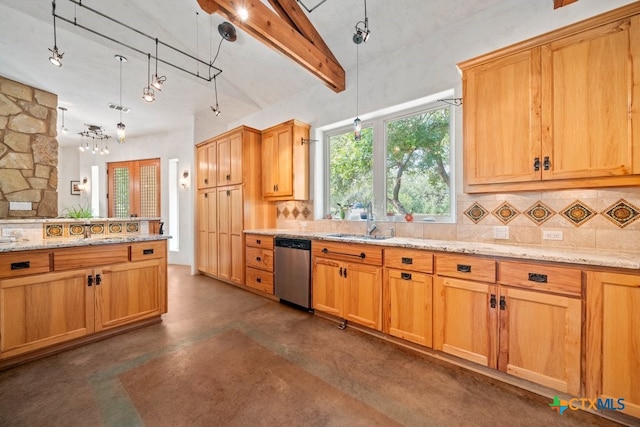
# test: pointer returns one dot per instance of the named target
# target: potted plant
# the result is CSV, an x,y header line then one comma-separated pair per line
x,y
78,212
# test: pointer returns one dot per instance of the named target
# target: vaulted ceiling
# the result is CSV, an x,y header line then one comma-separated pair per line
x,y
258,70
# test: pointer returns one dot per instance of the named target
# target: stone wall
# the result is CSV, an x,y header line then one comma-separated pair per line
x,y
28,150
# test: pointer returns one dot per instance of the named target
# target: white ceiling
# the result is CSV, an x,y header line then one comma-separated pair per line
x,y
254,76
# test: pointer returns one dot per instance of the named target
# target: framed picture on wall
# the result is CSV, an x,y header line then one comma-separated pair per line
x,y
75,188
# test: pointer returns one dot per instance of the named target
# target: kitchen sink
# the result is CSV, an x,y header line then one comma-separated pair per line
x,y
357,236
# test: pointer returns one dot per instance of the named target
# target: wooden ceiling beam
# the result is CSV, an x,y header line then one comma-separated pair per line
x,y
277,33
561,3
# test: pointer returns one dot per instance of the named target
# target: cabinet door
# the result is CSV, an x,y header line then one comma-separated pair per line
x,y
613,338
129,292
540,338
410,308
230,170
328,286
465,324
269,164
237,235
207,232
363,295
224,233
45,309
207,161
590,87
502,133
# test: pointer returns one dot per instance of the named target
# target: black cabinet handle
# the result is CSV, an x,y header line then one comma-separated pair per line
x,y
536,164
463,268
147,251
228,177
90,281
259,280
340,272
98,279
407,260
20,265
206,180
503,303
538,278
258,241
405,276
492,301
345,272
547,163
258,259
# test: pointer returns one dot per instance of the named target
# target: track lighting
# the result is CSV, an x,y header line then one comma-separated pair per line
x,y
362,28
216,109
147,93
63,129
228,32
120,126
56,57
157,81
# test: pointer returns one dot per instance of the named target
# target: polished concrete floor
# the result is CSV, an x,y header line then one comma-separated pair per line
x,y
223,356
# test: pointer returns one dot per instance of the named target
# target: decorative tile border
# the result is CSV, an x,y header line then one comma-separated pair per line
x,y
476,213
53,231
76,230
133,227
98,228
505,212
539,213
115,227
578,213
621,213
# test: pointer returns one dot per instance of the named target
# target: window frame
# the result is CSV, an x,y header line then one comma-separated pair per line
x,y
378,122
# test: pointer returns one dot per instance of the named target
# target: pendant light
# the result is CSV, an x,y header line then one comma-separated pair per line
x,y
228,32
120,126
357,123
63,129
148,93
157,81
56,57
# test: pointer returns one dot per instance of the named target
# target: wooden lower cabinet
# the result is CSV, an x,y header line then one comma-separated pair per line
x,y
613,338
348,290
464,324
44,309
540,338
230,234
409,308
259,258
130,292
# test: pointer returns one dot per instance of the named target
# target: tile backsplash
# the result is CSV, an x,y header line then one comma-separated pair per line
x,y
596,219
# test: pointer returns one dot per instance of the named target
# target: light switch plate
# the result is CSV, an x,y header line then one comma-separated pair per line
x,y
552,235
501,232
20,206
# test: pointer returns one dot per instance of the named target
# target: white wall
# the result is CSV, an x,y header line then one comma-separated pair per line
x,y
68,170
178,145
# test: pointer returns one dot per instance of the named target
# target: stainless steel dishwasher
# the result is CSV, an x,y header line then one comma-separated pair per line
x,y
292,275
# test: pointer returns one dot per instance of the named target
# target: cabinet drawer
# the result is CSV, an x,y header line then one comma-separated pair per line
x,y
23,263
148,250
466,267
560,280
89,256
260,258
349,252
259,241
409,259
260,280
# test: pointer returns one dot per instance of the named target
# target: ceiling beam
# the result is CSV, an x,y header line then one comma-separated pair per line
x,y
561,3
280,35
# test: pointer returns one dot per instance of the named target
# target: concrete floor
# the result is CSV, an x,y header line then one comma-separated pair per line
x,y
223,356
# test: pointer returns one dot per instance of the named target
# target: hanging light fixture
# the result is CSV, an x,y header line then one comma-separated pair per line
x,y
357,123
228,32
56,57
362,28
147,93
216,109
120,126
63,129
157,81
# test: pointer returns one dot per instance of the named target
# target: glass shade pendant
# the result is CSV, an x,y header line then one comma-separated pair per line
x,y
357,129
121,133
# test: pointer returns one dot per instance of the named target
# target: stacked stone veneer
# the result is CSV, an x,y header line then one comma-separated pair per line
x,y
28,150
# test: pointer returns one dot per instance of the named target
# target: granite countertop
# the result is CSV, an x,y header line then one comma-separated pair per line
x,y
29,245
25,221
592,257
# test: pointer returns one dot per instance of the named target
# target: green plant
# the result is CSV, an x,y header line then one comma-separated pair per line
x,y
77,211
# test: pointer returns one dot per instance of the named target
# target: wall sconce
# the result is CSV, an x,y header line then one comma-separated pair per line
x,y
84,186
185,182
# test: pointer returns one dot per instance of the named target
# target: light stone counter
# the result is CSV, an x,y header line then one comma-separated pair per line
x,y
592,257
29,245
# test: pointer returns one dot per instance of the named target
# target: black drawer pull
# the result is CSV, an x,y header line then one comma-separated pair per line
x,y
538,278
98,279
20,265
407,260
405,276
258,241
147,251
259,280
463,268
258,259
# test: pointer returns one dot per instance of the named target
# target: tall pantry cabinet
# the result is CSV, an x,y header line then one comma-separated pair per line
x,y
229,200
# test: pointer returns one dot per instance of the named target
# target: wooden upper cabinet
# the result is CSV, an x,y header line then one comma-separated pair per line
x,y
285,162
206,159
230,165
558,111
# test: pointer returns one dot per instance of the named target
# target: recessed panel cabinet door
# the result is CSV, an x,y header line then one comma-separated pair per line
x,y
129,292
42,310
410,307
328,286
363,295
591,100
465,321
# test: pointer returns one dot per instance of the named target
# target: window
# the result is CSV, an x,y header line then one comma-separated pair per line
x,y
134,188
401,165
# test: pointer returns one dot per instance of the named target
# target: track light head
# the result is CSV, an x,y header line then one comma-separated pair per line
x,y
216,110
158,81
362,33
148,94
56,57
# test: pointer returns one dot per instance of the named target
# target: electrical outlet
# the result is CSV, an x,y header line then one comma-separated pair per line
x,y
552,235
501,232
11,232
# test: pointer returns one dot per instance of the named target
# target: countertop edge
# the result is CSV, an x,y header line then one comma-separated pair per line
x,y
615,259
68,243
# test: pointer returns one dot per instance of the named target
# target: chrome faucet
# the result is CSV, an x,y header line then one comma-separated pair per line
x,y
87,229
371,226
